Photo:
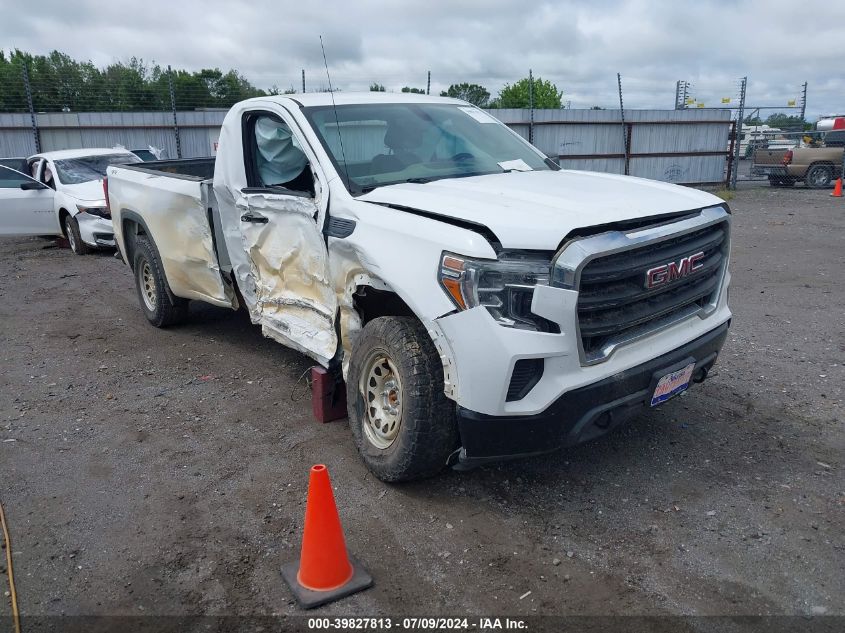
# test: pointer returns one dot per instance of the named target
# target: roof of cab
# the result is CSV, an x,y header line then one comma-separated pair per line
x,y
80,153
351,98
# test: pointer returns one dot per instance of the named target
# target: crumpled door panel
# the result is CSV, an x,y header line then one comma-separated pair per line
x,y
293,299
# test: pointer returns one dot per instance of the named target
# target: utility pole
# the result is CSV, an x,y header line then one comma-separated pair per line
x,y
739,117
681,91
803,105
173,109
624,127
303,81
35,134
679,98
428,84
531,106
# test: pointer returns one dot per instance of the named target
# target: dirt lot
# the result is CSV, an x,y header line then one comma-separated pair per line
x,y
163,472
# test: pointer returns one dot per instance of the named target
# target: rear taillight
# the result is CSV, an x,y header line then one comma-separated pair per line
x,y
106,193
787,158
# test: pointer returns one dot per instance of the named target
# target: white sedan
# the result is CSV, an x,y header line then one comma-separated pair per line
x,y
26,205
71,190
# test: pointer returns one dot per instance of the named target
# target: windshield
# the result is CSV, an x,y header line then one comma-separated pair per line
x,y
386,144
74,171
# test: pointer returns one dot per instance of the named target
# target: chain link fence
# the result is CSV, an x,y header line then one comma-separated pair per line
x,y
779,142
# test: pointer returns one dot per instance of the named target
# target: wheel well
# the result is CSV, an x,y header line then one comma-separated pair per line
x,y
372,303
820,163
63,213
131,230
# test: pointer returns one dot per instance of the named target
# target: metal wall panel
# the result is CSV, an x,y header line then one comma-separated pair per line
x,y
16,137
597,138
594,138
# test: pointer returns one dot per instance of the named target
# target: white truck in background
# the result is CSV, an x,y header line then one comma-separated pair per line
x,y
480,302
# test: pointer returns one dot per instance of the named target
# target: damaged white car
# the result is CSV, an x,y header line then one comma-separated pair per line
x,y
66,188
480,302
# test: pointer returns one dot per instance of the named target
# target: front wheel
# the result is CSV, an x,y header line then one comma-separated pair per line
x,y
402,422
152,288
74,237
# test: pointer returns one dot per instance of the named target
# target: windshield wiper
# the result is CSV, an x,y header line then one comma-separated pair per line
x,y
415,181
423,180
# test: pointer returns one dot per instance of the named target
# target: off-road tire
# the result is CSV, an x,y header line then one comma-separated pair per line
x,y
162,312
74,237
819,177
428,428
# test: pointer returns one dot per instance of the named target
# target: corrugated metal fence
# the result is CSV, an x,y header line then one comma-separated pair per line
x,y
683,146
198,131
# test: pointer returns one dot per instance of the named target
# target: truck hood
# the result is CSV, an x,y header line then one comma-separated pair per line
x,y
537,209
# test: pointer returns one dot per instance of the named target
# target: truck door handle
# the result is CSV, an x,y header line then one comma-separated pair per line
x,y
258,219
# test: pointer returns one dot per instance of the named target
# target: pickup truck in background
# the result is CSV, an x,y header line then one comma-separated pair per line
x,y
480,302
816,167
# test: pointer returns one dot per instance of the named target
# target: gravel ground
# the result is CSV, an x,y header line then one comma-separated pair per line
x,y
154,471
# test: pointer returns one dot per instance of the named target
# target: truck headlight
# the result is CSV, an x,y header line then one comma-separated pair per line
x,y
504,286
102,212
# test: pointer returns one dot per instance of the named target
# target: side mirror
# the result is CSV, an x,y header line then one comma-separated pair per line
x,y
32,185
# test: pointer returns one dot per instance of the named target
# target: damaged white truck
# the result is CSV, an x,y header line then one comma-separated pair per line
x,y
480,302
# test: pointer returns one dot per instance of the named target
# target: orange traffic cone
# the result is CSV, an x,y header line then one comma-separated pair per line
x,y
325,572
837,188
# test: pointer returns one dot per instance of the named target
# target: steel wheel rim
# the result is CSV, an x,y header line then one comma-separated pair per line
x,y
381,389
147,285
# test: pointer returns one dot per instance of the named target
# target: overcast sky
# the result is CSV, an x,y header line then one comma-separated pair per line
x,y
578,45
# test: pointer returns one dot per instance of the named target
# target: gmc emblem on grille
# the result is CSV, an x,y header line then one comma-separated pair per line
x,y
672,271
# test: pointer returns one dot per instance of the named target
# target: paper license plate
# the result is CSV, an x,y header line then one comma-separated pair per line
x,y
672,384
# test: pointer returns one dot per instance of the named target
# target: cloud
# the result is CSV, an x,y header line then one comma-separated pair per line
x,y
580,46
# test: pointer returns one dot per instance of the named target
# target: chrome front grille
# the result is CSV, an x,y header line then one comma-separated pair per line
x,y
610,271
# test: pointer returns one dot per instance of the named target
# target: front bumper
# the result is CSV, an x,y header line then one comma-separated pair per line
x,y
579,415
95,231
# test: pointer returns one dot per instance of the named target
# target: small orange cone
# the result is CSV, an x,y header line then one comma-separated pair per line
x,y
325,572
837,189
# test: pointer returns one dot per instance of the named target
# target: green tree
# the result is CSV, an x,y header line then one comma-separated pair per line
x,y
473,93
58,82
376,87
785,122
546,95
416,91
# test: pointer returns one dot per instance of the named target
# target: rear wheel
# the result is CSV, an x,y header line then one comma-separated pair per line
x,y
819,177
74,238
402,422
151,284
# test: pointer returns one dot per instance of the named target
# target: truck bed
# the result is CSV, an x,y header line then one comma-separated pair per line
x,y
769,156
172,203
187,168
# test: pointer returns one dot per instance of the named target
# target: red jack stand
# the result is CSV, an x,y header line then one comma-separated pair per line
x,y
328,394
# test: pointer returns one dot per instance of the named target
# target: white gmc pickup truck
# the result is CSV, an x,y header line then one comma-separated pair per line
x,y
480,302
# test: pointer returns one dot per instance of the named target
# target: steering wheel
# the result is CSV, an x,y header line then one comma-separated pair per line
x,y
457,158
